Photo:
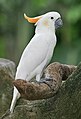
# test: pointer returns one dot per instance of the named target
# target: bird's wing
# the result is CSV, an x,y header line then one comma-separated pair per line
x,y
33,55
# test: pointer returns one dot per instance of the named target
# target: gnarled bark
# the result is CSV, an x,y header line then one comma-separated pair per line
x,y
65,104
55,72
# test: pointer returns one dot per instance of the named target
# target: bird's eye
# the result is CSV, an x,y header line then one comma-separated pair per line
x,y
52,18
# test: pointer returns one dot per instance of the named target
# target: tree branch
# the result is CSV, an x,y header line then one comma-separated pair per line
x,y
65,104
34,91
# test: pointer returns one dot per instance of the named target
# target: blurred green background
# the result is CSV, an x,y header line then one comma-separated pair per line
x,y
15,31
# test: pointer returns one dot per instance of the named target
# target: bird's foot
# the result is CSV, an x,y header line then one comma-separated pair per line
x,y
46,81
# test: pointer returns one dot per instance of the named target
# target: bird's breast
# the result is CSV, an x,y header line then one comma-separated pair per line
x,y
52,45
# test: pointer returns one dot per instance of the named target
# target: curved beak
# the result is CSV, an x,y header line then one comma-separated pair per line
x,y
32,20
58,23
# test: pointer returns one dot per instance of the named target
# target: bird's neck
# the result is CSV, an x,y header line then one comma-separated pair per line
x,y
44,29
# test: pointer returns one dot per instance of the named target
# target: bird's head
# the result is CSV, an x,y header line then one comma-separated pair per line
x,y
50,20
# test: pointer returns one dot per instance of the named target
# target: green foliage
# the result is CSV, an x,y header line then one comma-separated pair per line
x,y
15,32
74,14
2,48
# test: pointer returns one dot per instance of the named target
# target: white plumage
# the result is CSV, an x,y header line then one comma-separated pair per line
x,y
35,56
38,52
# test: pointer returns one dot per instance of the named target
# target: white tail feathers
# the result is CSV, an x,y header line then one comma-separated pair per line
x,y
16,96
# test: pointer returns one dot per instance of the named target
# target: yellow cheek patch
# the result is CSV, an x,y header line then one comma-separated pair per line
x,y
45,23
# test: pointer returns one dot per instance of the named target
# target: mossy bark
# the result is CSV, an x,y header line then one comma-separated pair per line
x,y
7,72
65,104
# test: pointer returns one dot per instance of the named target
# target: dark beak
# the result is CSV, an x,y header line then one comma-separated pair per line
x,y
58,23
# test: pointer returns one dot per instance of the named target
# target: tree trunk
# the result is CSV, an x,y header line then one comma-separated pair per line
x,y
65,104
7,72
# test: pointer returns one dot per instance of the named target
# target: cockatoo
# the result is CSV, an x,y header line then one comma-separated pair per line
x,y
39,51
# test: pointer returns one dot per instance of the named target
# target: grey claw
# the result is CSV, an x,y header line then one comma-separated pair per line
x,y
46,81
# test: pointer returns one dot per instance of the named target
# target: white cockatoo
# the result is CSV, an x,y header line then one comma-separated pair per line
x,y
39,51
